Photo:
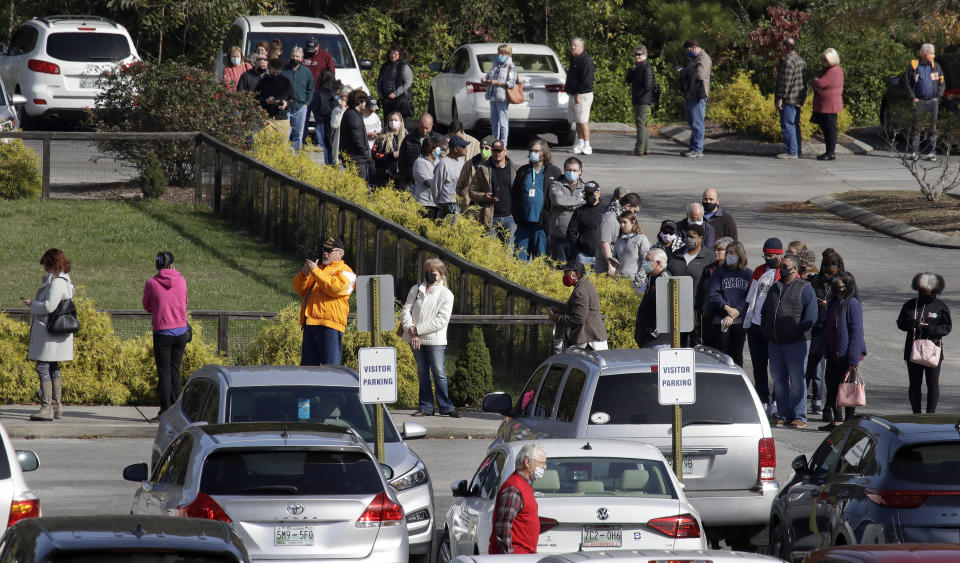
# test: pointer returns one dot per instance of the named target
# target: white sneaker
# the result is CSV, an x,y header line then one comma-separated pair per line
x,y
773,409
577,149
587,149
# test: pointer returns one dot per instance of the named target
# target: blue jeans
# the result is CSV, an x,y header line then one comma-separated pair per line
x,y
559,249
790,129
430,358
788,364
298,122
926,125
321,345
504,228
499,122
531,241
696,111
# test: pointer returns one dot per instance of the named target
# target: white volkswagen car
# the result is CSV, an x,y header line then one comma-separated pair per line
x,y
456,92
17,501
594,495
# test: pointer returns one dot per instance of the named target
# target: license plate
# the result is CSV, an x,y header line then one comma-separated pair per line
x,y
293,535
687,464
602,536
88,82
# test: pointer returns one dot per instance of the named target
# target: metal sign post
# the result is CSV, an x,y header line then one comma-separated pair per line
x,y
375,340
677,411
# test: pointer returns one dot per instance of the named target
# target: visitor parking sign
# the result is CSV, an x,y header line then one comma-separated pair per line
x,y
676,376
378,374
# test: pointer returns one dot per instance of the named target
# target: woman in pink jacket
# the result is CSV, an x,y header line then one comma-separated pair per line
x,y
828,100
165,297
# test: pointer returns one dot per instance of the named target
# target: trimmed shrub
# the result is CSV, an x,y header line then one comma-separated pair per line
x,y
473,376
19,171
153,182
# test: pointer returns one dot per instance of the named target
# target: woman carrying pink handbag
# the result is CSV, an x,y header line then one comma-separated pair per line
x,y
926,320
842,343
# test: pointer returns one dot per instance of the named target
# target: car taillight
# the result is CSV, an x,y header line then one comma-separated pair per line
x,y
381,512
203,507
476,87
903,499
679,526
547,524
767,456
952,93
20,509
554,87
36,65
86,29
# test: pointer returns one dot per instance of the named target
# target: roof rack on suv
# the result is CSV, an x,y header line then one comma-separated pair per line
x,y
588,354
714,353
66,17
882,422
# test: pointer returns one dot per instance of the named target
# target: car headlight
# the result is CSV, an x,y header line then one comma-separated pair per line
x,y
413,478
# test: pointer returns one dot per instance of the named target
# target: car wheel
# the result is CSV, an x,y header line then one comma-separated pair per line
x,y
443,551
780,542
567,138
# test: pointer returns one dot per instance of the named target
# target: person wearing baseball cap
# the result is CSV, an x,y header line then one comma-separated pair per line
x,y
324,289
764,276
492,189
580,321
447,174
484,151
584,227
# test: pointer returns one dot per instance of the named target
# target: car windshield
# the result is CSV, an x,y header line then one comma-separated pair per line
x,y
631,398
128,555
289,472
322,404
933,464
88,47
602,476
527,63
336,45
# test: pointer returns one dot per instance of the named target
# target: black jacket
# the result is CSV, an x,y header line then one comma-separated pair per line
x,y
353,136
410,152
642,83
580,75
935,314
248,80
678,267
645,332
278,87
584,227
723,225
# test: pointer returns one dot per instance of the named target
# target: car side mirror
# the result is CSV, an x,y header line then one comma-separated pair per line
x,y
18,100
413,430
136,472
28,460
459,488
800,465
498,402
387,471
435,67
365,64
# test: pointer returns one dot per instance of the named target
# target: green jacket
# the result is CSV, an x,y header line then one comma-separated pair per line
x,y
302,80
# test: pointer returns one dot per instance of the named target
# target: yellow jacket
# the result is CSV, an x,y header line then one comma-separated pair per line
x,y
325,295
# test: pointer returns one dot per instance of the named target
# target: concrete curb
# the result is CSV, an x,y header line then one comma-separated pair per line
x,y
884,225
681,135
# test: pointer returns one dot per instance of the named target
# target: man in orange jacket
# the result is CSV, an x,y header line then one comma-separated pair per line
x,y
325,290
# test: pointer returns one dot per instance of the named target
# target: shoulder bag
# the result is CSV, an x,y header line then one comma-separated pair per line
x,y
923,351
63,320
515,94
852,392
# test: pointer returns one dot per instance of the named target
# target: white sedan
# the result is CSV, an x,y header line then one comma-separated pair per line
x,y
594,495
456,92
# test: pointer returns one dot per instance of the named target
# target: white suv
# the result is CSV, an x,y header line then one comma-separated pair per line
x,y
55,62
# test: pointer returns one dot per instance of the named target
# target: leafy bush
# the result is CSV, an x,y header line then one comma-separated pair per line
x,y
473,376
153,182
170,97
19,170
742,106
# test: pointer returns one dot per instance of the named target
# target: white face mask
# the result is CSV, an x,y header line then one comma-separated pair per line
x,y
695,222
668,238
731,259
538,473
394,125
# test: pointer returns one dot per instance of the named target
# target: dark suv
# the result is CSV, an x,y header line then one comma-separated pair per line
x,y
873,480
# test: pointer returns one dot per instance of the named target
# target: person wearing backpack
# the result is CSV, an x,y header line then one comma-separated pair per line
x,y
643,92
47,349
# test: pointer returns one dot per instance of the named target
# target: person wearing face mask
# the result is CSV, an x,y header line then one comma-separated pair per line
x,y
321,106
235,67
447,174
831,264
371,121
249,79
530,200
667,238
723,223
580,320
303,86
727,297
424,189
695,83
788,314
516,521
492,190
924,317
501,77
565,195
338,109
424,321
695,217
610,228
691,261
410,150
386,151
628,251
353,134
324,289
584,228
645,332
275,94
719,254
842,344
764,276
480,154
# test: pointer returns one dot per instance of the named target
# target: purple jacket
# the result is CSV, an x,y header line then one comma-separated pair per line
x,y
842,332
165,296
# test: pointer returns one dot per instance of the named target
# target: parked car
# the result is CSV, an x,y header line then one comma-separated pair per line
x,y
9,114
21,502
456,92
55,62
895,102
873,480
596,494
626,556
308,492
115,538
729,455
331,395
293,31
892,553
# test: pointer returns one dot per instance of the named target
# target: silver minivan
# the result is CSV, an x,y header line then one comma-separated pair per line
x,y
729,456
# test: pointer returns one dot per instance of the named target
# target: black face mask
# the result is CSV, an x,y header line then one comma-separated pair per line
x,y
432,277
927,298
837,292
709,207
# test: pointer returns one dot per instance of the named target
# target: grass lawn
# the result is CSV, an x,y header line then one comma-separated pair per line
x,y
111,246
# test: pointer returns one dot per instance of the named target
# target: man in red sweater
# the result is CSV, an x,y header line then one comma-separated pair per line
x,y
516,523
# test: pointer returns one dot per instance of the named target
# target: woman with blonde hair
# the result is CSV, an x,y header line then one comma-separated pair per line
x,y
424,320
828,100
235,67
502,77
386,150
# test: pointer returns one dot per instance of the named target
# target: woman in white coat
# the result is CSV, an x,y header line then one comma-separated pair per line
x,y
424,319
49,350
